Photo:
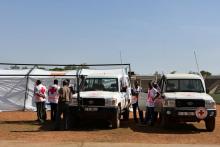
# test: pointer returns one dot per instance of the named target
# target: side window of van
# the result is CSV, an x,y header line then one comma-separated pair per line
x,y
123,84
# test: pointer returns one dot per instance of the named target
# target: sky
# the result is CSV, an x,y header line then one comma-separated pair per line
x,y
152,35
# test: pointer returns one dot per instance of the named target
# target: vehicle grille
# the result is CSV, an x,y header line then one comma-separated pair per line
x,y
93,101
190,103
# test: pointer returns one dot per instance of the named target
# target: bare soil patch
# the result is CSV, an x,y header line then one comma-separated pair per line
x,y
22,126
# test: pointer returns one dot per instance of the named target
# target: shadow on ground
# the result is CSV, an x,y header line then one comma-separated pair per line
x,y
180,128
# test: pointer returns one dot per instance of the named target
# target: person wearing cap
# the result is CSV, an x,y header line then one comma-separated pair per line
x,y
134,101
40,98
53,96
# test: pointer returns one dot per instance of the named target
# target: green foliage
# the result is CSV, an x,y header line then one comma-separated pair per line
x,y
205,73
70,68
216,98
56,69
14,67
83,66
173,72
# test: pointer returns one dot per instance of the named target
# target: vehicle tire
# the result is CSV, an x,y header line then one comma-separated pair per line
x,y
116,120
210,124
164,121
126,114
73,121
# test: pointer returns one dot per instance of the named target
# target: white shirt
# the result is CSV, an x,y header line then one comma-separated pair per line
x,y
134,99
40,93
53,93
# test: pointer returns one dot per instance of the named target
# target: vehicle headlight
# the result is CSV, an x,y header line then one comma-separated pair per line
x,y
111,102
74,102
169,103
209,104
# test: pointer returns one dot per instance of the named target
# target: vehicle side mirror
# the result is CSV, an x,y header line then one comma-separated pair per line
x,y
162,96
207,90
124,89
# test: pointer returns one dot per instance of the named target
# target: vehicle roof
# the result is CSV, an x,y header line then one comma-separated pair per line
x,y
183,76
107,73
105,76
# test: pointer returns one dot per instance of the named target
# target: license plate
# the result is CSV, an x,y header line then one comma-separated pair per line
x,y
186,113
91,109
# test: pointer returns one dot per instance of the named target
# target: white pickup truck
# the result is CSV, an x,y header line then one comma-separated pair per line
x,y
104,94
185,99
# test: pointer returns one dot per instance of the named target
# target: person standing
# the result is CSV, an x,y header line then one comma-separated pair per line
x,y
63,105
53,96
151,96
40,98
157,102
71,86
135,95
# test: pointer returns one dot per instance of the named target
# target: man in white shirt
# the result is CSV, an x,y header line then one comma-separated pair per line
x,y
53,97
134,101
40,98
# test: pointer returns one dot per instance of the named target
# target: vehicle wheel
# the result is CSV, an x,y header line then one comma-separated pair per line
x,y
164,121
116,120
210,124
73,121
126,114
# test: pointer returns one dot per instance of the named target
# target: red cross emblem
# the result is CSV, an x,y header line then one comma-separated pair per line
x,y
201,112
53,90
42,90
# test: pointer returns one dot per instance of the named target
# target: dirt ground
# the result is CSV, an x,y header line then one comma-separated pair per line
x,y
21,126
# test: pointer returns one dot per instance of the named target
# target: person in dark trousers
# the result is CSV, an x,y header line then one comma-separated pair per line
x,y
53,97
135,95
157,101
40,98
151,96
63,105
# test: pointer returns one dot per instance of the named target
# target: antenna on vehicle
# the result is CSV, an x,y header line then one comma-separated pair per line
x,y
197,65
120,57
122,69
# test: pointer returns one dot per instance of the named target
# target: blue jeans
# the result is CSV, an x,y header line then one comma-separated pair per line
x,y
150,115
135,107
54,110
41,111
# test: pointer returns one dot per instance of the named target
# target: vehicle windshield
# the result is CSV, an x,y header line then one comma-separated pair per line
x,y
184,85
100,84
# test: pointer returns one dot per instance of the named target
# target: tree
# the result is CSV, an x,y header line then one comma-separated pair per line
x,y
14,67
70,68
83,66
173,72
205,73
56,69
193,72
25,67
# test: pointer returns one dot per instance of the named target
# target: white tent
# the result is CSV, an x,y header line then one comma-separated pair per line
x,y
16,86
12,90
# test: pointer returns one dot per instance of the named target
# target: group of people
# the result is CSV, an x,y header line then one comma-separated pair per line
x,y
153,93
58,97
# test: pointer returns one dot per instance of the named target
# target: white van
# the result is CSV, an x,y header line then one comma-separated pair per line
x,y
104,94
185,99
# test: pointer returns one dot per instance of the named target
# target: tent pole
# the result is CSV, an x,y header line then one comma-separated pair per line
x,y
26,89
